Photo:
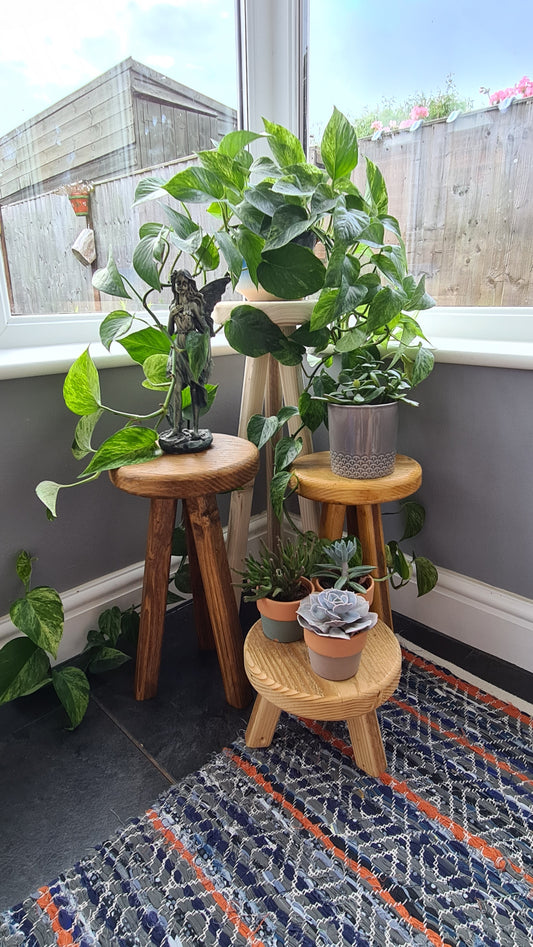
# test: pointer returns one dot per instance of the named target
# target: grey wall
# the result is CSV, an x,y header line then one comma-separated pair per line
x,y
99,529
473,435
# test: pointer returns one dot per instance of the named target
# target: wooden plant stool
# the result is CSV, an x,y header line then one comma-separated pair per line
x,y
283,679
360,501
195,479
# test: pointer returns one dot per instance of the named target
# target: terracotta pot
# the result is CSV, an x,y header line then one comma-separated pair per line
x,y
334,659
362,439
279,618
80,204
366,580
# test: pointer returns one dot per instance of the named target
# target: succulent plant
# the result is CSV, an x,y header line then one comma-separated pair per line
x,y
278,574
367,377
342,565
338,613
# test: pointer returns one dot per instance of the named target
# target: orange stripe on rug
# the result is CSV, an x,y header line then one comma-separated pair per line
x,y
469,689
358,869
217,896
450,735
46,903
493,854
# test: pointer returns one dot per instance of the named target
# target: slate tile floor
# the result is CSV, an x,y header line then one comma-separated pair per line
x,y
62,792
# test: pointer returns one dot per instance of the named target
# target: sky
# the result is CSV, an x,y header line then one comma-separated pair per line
x,y
360,51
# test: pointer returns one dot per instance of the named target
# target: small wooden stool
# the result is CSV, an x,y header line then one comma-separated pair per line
x,y
283,679
195,479
360,501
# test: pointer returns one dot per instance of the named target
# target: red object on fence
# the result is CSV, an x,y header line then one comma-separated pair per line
x,y
80,204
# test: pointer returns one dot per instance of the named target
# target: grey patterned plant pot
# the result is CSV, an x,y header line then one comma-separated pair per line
x,y
362,439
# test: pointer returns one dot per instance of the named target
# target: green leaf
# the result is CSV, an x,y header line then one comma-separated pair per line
x,y
115,323
415,516
225,168
426,575
299,180
155,370
146,259
351,339
185,234
72,688
423,365
261,429
315,339
348,225
195,186
250,332
39,615
231,253
109,624
251,246
339,146
81,389
47,491
132,445
186,403
197,348
108,280
106,659
313,413
23,567
148,189
372,235
207,254
140,345
179,542
417,296
291,272
24,668
286,147
385,305
390,223
324,310
376,190
81,445
129,625
264,198
278,487
286,450
235,141
289,352
288,222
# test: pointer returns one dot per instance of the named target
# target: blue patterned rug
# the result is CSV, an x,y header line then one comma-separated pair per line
x,y
292,846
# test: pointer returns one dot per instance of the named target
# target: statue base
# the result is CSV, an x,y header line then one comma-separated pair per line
x,y
185,442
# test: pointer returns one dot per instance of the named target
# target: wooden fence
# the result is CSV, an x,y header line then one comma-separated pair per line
x,y
460,190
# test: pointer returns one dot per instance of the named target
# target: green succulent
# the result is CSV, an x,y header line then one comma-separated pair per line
x,y
278,574
343,565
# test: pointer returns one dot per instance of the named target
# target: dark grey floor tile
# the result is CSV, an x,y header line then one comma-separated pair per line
x,y
63,792
189,719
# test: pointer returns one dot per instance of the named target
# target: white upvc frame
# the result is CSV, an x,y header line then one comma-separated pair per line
x,y
272,53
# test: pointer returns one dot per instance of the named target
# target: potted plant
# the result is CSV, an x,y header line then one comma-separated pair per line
x,y
362,406
336,623
277,581
342,568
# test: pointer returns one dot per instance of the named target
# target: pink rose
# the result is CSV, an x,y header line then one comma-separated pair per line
x,y
419,111
377,126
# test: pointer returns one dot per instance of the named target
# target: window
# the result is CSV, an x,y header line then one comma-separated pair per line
x,y
87,106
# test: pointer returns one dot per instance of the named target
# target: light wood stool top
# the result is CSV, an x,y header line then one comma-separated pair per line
x,y
282,676
318,482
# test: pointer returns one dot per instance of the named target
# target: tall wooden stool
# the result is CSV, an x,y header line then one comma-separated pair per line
x,y
195,479
360,501
284,680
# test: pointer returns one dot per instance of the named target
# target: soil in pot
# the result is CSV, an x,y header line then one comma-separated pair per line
x,y
334,659
279,618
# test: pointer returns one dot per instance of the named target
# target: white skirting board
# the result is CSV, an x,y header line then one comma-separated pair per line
x,y
493,620
479,615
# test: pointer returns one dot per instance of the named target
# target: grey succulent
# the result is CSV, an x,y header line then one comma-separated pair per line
x,y
342,566
338,613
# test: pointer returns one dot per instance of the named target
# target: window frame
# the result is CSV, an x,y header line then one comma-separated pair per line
x,y
41,344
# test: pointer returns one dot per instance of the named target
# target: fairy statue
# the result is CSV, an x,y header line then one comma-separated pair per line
x,y
190,325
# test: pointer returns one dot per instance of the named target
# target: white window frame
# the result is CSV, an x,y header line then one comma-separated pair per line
x,y
272,54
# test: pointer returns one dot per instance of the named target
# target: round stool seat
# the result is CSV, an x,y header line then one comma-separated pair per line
x,y
316,481
229,463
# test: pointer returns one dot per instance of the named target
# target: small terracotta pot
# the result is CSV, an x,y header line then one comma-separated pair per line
x,y
366,580
80,204
279,618
334,659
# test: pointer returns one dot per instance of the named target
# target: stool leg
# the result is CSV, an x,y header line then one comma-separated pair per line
x,y
331,520
370,532
202,620
365,737
154,599
216,577
262,724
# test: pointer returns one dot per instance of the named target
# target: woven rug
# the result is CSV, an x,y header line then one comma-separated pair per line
x,y
292,846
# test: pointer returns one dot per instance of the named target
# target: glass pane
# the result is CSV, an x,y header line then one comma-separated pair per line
x,y
441,104
90,104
